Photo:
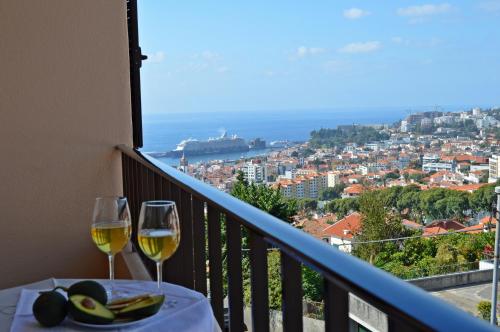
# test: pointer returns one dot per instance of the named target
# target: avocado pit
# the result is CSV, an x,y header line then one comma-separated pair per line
x,y
88,303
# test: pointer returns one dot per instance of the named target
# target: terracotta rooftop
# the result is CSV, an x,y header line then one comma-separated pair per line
x,y
434,230
412,224
440,174
479,228
442,226
354,189
315,227
468,187
486,220
345,228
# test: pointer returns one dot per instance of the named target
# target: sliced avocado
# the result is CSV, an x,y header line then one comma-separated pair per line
x,y
50,308
144,308
90,288
87,310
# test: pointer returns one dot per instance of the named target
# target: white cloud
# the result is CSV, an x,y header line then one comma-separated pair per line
x,y
365,47
355,13
206,55
156,57
397,40
304,51
425,10
336,66
206,61
222,69
490,6
401,41
426,43
209,55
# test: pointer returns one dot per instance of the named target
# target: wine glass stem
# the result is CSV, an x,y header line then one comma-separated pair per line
x,y
111,260
159,274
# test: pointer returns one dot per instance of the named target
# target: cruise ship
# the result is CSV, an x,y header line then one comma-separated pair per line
x,y
222,144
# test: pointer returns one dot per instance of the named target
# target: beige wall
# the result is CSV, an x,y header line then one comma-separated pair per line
x,y
64,105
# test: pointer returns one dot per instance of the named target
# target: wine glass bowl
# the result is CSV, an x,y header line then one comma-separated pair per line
x,y
111,229
159,232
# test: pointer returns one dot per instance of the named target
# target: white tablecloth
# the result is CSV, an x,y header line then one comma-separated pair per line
x,y
191,312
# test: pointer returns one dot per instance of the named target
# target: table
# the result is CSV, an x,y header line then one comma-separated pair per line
x,y
191,312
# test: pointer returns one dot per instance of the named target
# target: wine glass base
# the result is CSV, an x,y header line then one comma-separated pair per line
x,y
168,303
114,293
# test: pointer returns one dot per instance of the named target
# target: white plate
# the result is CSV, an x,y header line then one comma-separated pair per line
x,y
114,325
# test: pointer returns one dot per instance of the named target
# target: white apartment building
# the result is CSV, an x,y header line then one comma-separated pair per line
x,y
253,172
430,158
372,168
332,179
436,167
494,168
308,186
404,126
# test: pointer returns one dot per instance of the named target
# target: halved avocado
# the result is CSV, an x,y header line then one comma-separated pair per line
x,y
90,288
87,310
144,308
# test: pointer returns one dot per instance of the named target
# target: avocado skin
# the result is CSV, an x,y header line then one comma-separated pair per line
x,y
143,311
81,316
50,308
91,289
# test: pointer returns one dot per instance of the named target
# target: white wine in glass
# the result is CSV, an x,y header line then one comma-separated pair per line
x,y
159,232
111,230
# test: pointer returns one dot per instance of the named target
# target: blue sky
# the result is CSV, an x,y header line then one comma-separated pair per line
x,y
279,55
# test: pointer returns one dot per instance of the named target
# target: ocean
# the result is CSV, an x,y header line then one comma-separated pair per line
x,y
163,131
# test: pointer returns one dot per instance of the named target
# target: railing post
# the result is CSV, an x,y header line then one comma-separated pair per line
x,y
291,281
200,267
215,263
259,283
336,308
234,275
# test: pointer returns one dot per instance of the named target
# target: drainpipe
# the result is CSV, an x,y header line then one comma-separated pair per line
x,y
493,316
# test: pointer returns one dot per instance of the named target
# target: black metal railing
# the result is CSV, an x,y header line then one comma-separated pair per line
x,y
204,209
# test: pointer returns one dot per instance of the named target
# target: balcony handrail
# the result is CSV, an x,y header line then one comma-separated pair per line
x,y
381,289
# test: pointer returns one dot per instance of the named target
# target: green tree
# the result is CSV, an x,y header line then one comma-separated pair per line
x,y
343,206
453,205
273,202
377,223
484,310
265,198
332,192
483,198
428,200
307,204
273,276
417,177
344,135
392,175
312,284
448,258
307,152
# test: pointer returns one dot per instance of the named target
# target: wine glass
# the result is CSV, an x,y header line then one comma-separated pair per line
x,y
159,233
111,230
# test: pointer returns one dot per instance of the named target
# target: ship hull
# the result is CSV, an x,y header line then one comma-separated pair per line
x,y
179,153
